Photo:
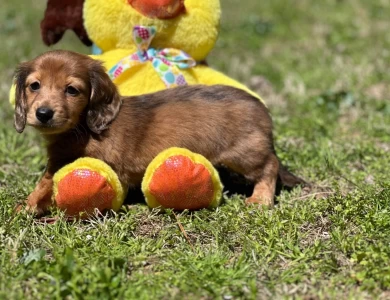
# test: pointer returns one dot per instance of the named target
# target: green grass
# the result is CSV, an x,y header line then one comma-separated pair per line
x,y
323,69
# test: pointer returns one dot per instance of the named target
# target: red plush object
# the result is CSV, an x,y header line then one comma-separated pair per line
x,y
180,172
180,179
61,15
84,191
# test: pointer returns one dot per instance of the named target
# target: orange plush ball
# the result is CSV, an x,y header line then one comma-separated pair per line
x,y
180,179
87,185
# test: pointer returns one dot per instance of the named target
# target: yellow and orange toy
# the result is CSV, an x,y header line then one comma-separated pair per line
x,y
180,179
87,185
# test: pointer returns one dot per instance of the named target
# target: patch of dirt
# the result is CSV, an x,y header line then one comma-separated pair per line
x,y
149,227
369,179
378,91
319,230
384,146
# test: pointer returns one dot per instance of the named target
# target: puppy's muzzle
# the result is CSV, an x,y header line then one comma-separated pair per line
x,y
44,114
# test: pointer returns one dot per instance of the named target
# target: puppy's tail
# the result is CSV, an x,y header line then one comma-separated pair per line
x,y
287,180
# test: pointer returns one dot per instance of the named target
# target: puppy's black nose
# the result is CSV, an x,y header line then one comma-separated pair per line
x,y
44,114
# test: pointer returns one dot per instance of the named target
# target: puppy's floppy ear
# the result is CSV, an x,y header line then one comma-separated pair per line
x,y
20,114
105,100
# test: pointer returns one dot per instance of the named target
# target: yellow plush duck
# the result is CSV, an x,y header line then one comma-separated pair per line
x,y
147,45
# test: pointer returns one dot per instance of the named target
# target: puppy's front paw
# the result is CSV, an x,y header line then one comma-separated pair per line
x,y
266,201
25,208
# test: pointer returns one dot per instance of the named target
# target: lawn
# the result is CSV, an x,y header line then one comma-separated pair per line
x,y
323,69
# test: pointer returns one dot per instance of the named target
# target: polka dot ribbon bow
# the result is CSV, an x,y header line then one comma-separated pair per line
x,y
166,62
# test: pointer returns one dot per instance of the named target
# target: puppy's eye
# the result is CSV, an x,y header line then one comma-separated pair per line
x,y
35,86
72,91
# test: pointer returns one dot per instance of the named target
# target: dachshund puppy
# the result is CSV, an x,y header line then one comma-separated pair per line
x,y
71,101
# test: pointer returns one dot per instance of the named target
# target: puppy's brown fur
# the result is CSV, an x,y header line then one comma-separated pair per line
x,y
89,118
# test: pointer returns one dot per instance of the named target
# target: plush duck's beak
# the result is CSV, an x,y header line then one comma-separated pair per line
x,y
161,9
